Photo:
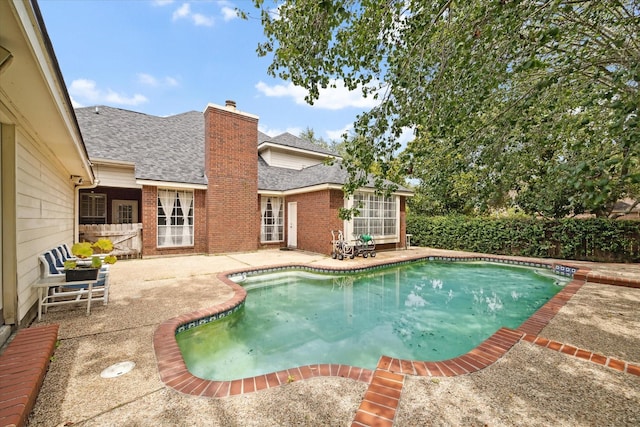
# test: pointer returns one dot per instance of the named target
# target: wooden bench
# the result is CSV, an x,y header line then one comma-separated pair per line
x,y
23,365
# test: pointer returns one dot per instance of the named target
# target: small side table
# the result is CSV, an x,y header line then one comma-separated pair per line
x,y
47,293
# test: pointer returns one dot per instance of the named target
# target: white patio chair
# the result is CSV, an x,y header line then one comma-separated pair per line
x,y
54,290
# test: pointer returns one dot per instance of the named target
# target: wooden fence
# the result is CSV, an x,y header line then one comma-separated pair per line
x,y
126,238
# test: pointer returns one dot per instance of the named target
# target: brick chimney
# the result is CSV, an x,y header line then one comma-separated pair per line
x,y
231,166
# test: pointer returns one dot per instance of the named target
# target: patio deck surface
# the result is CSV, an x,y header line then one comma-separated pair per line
x,y
146,293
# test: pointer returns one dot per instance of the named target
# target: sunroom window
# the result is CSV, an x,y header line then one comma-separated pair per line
x,y
378,215
272,224
175,218
93,208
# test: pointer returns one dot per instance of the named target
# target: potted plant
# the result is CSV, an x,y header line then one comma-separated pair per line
x,y
78,270
102,246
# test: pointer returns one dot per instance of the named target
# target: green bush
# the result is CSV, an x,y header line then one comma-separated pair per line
x,y
594,239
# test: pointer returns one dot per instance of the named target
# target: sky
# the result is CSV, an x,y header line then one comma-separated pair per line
x,y
166,57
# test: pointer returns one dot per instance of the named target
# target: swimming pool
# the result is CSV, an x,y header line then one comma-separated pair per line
x,y
418,311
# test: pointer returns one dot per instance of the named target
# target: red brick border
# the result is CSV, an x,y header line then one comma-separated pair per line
x,y
610,362
23,366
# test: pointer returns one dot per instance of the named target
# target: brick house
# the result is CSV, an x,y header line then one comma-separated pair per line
x,y
212,183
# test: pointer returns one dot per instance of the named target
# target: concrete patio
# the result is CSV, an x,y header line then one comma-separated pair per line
x,y
530,385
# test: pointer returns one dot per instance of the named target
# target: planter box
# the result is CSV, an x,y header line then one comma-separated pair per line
x,y
81,274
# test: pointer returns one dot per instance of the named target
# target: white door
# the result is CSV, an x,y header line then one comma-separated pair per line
x,y
292,224
124,212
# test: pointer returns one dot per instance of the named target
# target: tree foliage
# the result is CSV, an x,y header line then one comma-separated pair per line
x,y
310,135
530,102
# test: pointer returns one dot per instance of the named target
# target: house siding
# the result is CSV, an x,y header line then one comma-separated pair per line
x,y
231,165
44,215
115,175
290,161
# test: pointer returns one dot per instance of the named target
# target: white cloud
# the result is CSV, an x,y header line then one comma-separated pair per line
x,y
228,13
330,98
336,135
74,103
198,19
201,20
86,91
171,81
182,12
280,91
149,80
161,2
116,98
406,136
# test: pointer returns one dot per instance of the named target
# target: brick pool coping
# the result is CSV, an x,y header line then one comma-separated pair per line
x,y
385,382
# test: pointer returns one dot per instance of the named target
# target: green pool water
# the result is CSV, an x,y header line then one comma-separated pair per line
x,y
424,311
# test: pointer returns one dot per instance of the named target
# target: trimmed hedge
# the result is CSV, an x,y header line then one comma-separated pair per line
x,y
594,239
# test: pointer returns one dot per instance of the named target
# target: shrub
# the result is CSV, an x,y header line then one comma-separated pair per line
x,y
594,239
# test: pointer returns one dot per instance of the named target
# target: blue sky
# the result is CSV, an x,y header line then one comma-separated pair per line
x,y
165,57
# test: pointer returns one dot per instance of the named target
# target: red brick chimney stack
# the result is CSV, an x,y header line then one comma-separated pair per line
x,y
231,167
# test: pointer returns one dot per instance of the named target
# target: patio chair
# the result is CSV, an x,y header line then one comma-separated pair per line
x,y
51,268
54,290
58,257
65,254
67,251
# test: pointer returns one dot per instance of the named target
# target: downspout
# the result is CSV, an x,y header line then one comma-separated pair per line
x,y
76,205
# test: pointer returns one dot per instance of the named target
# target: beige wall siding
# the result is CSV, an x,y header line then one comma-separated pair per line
x,y
45,213
116,176
287,160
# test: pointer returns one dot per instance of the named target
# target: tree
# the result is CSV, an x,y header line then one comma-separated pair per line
x,y
310,135
530,102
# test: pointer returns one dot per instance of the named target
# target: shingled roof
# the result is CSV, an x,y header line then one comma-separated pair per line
x,y
171,149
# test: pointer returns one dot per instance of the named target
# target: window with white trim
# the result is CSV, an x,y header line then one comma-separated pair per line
x,y
124,211
272,224
93,208
378,215
175,218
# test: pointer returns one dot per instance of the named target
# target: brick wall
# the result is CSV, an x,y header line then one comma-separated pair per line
x,y
150,225
200,221
231,165
317,216
403,223
149,219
